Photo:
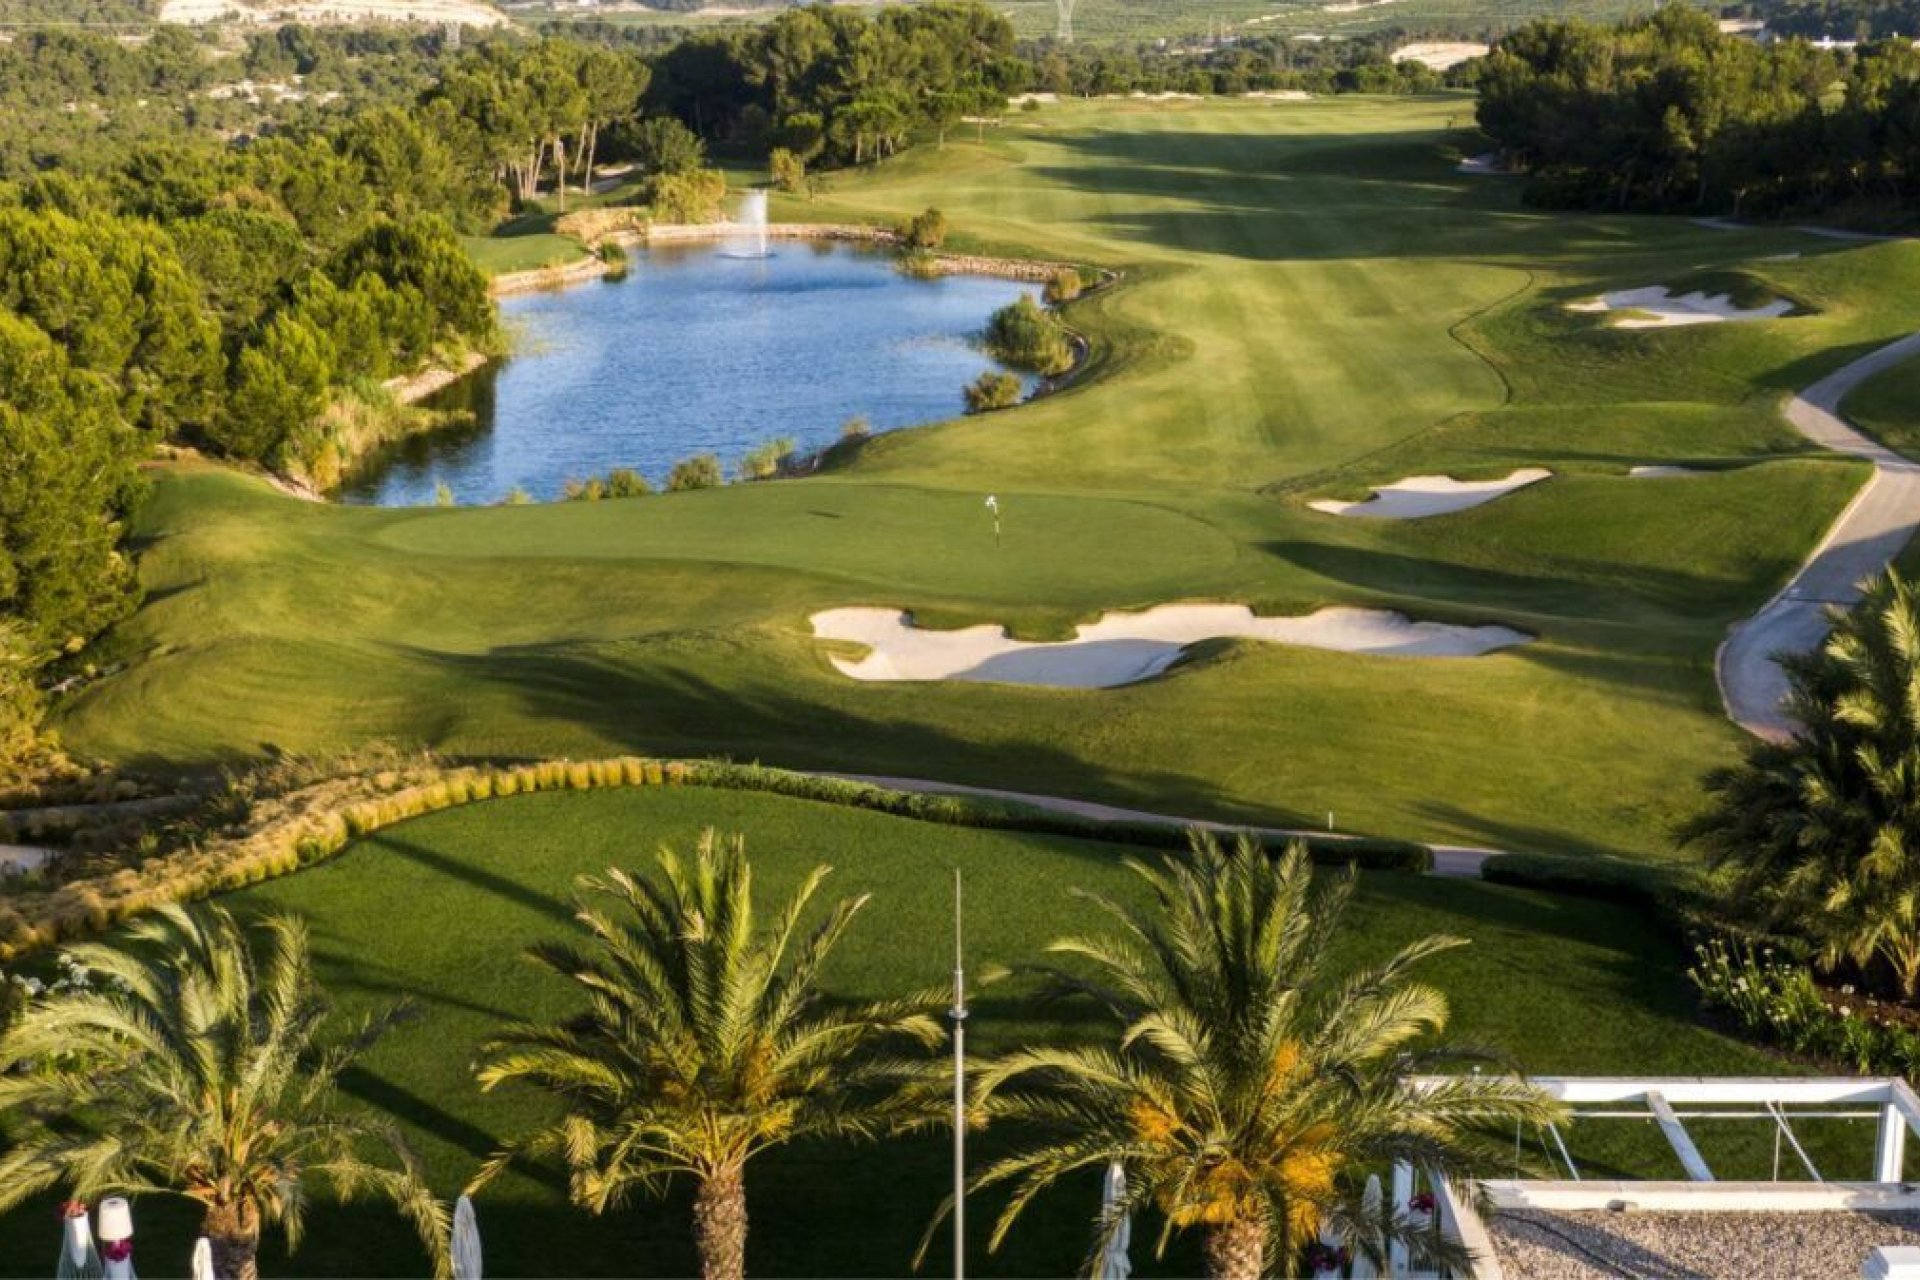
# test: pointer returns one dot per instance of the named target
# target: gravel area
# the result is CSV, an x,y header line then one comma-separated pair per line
x,y
1534,1245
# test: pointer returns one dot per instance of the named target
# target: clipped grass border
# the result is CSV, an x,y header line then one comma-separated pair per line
x,y
316,822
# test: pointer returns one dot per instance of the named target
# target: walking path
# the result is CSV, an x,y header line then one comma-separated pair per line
x,y
1455,861
1876,525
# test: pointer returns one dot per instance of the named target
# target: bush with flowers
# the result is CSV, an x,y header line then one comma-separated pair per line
x,y
1776,1000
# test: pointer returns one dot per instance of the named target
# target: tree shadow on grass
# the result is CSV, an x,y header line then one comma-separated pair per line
x,y
1572,593
647,706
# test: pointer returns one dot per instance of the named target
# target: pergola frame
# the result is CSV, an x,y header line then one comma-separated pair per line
x,y
1670,1103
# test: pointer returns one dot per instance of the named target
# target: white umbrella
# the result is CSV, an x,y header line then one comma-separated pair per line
x,y
202,1264
1370,1202
79,1260
466,1241
1330,1242
1114,1263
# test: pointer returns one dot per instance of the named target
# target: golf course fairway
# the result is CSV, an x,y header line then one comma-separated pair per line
x,y
1312,301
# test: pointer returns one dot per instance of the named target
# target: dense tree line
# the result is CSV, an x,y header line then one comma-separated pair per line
x,y
1834,19
1665,112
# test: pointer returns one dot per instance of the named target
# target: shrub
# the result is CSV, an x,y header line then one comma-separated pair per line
x,y
592,489
992,390
611,252
1027,336
663,145
702,471
788,171
767,460
442,494
1604,879
1064,287
689,197
918,264
517,497
858,427
926,230
625,482
1778,1002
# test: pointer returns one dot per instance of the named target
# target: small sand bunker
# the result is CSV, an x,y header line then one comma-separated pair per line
x,y
1418,496
1123,648
1661,310
1654,471
1485,165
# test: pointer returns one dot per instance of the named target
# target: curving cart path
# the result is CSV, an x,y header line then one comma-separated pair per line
x,y
1880,520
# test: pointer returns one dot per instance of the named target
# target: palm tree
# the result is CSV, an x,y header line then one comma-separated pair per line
x,y
1821,833
187,1065
705,1042
1249,1090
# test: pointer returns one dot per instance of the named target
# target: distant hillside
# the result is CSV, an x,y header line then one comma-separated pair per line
x,y
1153,20
469,13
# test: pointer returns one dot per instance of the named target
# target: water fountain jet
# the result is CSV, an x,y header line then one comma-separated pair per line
x,y
753,218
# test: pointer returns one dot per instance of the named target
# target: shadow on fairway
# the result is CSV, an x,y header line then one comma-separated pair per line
x,y
654,708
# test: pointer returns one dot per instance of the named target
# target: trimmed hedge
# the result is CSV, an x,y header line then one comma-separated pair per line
x,y
316,822
1633,884
968,811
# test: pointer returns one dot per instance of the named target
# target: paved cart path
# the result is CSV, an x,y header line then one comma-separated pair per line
x,y
1880,520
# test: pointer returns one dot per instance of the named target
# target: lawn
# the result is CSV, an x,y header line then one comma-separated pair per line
x,y
1313,301
1888,408
499,255
439,910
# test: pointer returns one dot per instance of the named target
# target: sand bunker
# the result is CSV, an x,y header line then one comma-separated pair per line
x,y
1485,165
1122,648
1654,471
1439,55
1661,310
1418,496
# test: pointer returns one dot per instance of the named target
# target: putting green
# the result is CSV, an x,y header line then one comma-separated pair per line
x,y
1312,302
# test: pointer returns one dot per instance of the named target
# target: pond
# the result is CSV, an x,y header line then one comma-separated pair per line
x,y
698,351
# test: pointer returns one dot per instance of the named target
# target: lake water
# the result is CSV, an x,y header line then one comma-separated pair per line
x,y
696,351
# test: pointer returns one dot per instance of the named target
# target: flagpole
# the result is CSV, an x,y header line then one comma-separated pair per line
x,y
959,1015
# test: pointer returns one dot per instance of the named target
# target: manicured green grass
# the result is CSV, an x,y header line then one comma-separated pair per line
x,y
499,255
1313,301
1888,408
440,910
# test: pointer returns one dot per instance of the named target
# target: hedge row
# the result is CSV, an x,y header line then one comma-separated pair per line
x,y
1634,884
316,822
968,811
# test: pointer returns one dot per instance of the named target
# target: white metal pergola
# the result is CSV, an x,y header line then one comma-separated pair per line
x,y
1670,1103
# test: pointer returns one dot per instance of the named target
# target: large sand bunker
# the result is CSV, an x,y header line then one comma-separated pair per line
x,y
1657,308
1418,496
1122,648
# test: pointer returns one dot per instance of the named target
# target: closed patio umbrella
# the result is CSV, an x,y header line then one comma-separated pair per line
x,y
1114,1263
79,1260
1370,1212
466,1241
202,1264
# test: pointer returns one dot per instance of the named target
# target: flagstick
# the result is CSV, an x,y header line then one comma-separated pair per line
x,y
959,1015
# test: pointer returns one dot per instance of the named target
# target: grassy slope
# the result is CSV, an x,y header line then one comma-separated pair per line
x,y
1888,407
441,909
1314,302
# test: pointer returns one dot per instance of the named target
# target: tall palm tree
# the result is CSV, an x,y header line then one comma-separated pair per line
x,y
704,1042
191,1066
1820,834
1248,1090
